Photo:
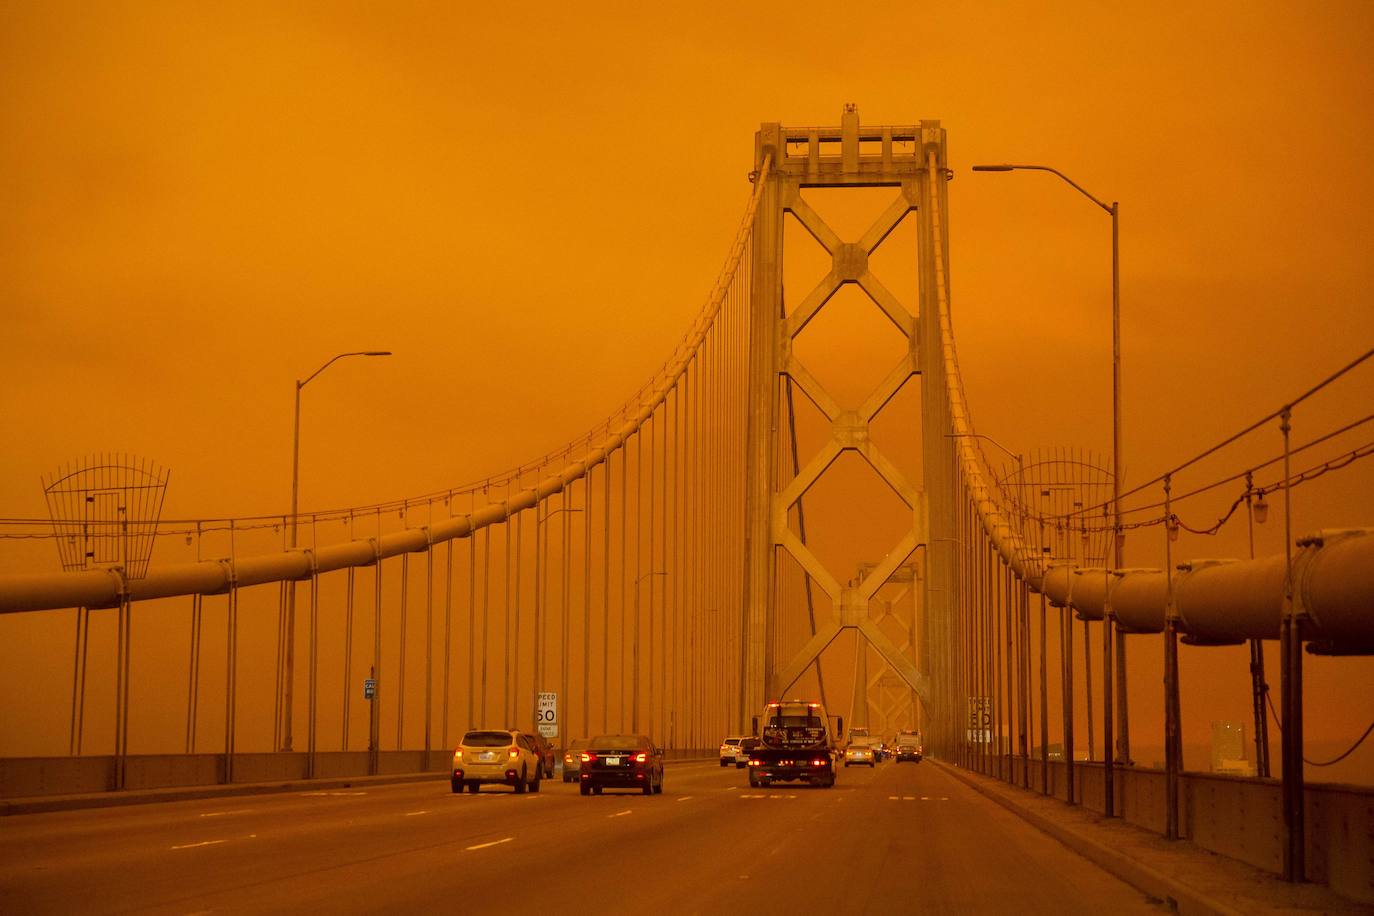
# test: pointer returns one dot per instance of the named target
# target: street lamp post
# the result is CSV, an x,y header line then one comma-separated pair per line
x,y
291,586
1123,746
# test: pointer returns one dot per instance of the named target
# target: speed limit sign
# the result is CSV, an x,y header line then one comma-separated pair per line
x,y
546,715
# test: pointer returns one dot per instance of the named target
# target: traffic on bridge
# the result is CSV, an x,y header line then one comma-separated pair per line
x,y
450,466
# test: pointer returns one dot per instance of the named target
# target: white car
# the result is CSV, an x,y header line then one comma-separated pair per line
x,y
859,754
730,751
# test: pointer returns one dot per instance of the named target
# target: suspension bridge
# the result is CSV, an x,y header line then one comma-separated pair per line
x,y
660,574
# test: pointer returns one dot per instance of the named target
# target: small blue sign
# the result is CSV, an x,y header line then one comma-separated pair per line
x,y
369,688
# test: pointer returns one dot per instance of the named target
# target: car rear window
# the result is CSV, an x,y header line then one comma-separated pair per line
x,y
617,742
487,739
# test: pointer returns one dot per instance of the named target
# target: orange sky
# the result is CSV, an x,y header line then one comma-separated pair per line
x,y
528,207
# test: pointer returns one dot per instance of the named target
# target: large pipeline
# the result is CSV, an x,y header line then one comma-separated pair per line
x,y
1221,602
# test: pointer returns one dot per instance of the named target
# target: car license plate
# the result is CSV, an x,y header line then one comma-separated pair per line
x,y
613,761
486,756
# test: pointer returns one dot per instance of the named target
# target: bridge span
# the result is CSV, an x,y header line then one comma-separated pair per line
x,y
669,572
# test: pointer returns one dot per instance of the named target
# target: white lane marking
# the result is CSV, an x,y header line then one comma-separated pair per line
x,y
925,798
620,813
944,798
224,813
414,813
492,843
684,798
893,797
732,788
204,843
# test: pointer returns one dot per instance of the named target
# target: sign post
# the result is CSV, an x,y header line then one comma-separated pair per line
x,y
546,715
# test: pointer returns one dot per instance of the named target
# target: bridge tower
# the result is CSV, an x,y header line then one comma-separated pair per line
x,y
911,159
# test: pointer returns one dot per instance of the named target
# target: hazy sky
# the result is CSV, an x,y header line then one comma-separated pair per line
x,y
200,204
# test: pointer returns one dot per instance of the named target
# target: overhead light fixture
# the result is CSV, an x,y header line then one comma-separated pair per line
x,y
1261,509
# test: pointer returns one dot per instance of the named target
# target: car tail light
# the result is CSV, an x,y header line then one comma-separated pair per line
x,y
588,758
641,758
818,762
458,754
514,753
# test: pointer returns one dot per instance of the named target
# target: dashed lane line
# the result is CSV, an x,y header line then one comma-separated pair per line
x,y
492,843
224,813
621,813
684,798
202,843
415,813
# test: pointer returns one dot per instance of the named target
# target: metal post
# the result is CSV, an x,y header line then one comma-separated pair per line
x,y
1108,761
429,643
291,586
1044,701
1259,689
1294,815
1066,650
314,665
348,647
401,652
1173,746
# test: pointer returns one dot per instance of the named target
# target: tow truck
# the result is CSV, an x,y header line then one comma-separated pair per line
x,y
795,743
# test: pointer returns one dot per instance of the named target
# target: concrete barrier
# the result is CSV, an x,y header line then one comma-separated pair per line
x,y
1240,817
32,777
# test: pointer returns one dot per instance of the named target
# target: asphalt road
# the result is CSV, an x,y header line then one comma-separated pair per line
x,y
902,838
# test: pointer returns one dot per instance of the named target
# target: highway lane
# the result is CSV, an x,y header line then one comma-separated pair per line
x,y
894,839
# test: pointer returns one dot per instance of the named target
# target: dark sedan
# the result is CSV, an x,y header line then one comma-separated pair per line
x,y
622,762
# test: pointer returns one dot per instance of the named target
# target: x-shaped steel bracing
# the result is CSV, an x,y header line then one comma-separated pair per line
x,y
849,430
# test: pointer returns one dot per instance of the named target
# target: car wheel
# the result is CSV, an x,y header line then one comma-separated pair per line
x,y
725,763
585,789
520,783
753,781
457,785
658,789
474,788
596,790
538,781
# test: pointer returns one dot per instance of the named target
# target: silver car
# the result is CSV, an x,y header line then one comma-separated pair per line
x,y
572,759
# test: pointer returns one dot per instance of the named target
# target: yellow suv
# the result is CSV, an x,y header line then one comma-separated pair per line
x,y
502,756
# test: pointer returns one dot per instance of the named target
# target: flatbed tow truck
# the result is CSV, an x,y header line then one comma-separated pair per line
x,y
796,743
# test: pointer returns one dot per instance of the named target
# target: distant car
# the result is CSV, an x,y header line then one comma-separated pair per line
x,y
742,753
572,758
857,754
621,762
909,748
546,753
729,750
498,756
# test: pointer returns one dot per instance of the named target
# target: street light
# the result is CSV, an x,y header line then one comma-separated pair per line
x,y
1114,211
634,676
1118,536
295,492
